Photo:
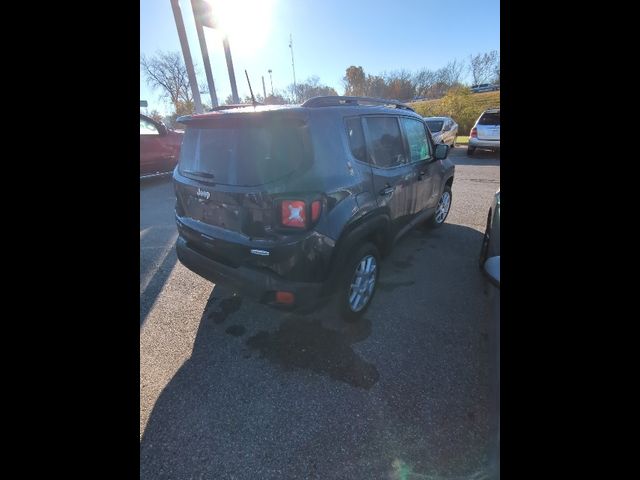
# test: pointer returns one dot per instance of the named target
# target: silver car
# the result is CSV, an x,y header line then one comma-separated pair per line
x,y
485,132
443,130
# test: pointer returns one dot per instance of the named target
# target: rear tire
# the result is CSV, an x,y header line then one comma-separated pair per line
x,y
358,282
470,150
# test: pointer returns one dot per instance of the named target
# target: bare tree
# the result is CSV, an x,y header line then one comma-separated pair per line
x,y
166,71
484,67
400,85
424,80
451,73
309,89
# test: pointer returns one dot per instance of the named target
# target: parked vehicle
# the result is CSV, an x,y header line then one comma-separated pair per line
x,y
490,265
485,133
443,130
491,240
289,204
484,87
159,147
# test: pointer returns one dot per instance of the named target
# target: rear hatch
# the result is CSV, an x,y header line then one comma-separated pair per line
x,y
233,168
489,126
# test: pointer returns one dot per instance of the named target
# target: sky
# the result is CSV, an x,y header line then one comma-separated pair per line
x,y
328,36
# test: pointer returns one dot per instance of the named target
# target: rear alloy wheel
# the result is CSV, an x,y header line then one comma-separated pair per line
x,y
470,150
442,210
359,282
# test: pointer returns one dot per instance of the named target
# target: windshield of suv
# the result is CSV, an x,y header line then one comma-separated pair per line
x,y
242,155
435,125
490,119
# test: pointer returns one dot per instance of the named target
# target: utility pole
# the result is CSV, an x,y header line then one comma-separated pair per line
x,y
271,78
264,89
232,75
205,53
193,81
295,91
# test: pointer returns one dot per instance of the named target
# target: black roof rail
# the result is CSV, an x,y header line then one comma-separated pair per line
x,y
334,101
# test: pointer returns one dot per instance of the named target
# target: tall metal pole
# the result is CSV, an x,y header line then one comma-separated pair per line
x,y
295,92
271,78
232,76
264,89
177,14
205,55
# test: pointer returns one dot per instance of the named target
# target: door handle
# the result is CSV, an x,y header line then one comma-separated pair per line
x,y
388,190
421,175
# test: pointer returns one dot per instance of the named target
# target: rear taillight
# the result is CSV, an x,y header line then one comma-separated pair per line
x,y
474,132
299,214
294,213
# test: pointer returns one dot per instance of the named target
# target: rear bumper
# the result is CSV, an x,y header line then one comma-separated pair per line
x,y
255,284
474,142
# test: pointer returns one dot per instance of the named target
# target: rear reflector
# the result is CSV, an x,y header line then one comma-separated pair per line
x,y
286,298
474,132
315,210
294,214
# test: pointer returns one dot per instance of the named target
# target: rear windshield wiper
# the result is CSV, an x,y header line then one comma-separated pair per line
x,y
199,174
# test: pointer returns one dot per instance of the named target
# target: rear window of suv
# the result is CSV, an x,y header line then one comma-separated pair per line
x,y
490,119
244,155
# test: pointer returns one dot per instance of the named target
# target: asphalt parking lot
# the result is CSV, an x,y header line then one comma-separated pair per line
x,y
230,389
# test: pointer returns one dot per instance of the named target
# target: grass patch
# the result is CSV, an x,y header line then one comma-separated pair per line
x,y
461,139
459,104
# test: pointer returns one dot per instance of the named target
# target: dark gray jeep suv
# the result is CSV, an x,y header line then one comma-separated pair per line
x,y
290,204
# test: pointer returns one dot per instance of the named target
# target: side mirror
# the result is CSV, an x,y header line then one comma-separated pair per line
x,y
492,270
442,151
162,129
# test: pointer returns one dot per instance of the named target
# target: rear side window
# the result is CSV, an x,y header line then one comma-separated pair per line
x,y
243,155
490,119
356,139
435,125
147,127
387,149
417,137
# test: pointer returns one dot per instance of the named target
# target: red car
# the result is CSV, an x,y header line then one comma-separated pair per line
x,y
159,147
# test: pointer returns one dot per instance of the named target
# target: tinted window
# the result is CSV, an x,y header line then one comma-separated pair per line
x,y
356,139
417,138
490,119
435,125
387,149
147,127
243,155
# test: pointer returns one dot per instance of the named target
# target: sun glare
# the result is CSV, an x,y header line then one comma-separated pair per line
x,y
246,22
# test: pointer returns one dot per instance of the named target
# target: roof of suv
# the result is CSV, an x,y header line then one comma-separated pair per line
x,y
347,104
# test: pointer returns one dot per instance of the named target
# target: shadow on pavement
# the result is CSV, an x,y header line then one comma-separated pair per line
x,y
158,235
267,394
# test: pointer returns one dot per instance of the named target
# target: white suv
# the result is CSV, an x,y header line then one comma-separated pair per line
x,y
485,132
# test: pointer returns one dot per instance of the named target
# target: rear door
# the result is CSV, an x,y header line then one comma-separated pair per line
x,y
393,175
420,156
233,171
489,126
